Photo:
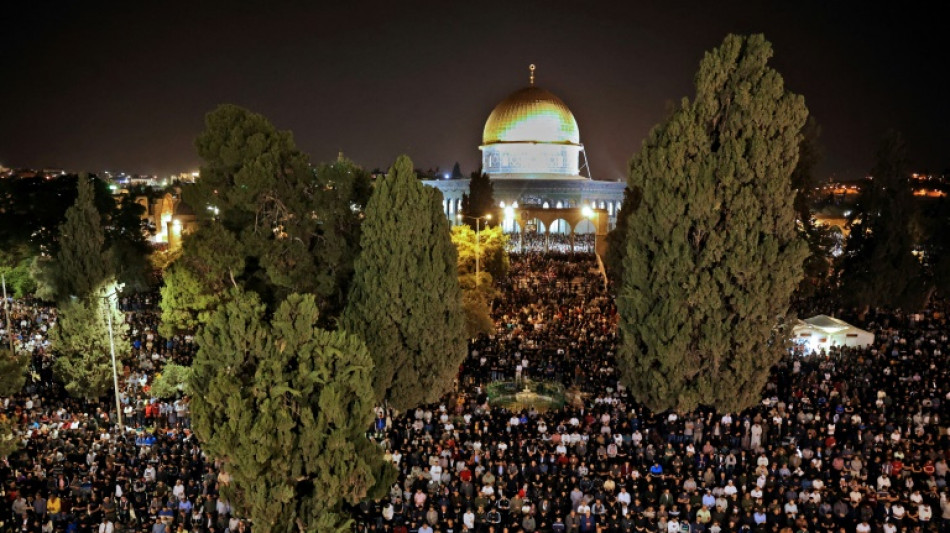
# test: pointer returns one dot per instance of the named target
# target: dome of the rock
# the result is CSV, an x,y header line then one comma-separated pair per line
x,y
531,115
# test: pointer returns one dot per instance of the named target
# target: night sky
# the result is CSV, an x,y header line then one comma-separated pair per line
x,y
125,86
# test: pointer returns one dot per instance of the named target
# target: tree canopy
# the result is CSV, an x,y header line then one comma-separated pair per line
x,y
80,340
490,245
81,263
879,267
491,248
12,378
286,406
479,201
285,226
405,301
16,266
616,256
712,253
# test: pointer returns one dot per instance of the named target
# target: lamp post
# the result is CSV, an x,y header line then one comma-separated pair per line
x,y
592,215
510,217
6,310
115,371
478,248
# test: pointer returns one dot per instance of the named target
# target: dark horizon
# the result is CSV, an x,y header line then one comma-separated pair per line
x,y
125,88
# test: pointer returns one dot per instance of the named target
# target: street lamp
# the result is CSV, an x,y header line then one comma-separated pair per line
x,y
592,215
115,371
478,248
511,218
6,310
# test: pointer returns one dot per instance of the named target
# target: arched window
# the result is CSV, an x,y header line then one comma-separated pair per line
x,y
559,204
545,205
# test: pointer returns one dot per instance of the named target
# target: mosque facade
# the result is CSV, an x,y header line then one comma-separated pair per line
x,y
532,152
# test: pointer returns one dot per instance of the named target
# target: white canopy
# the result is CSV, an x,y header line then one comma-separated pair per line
x,y
822,332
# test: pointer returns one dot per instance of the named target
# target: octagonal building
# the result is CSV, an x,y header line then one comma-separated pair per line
x,y
532,151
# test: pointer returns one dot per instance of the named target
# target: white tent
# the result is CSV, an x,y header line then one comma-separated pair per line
x,y
822,332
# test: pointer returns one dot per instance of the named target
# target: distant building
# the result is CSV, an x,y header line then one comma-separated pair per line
x,y
170,217
532,152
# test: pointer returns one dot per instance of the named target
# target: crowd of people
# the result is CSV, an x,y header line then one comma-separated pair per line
x,y
76,471
853,440
558,243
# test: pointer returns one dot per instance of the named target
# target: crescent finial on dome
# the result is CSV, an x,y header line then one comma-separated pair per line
x,y
531,68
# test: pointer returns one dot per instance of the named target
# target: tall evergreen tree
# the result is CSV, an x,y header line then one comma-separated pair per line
x,y
286,406
820,239
81,264
479,201
405,301
456,171
128,247
713,255
803,177
878,267
80,340
615,258
940,263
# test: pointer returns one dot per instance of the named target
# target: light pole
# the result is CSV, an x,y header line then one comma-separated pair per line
x,y
478,248
115,370
6,310
510,217
592,215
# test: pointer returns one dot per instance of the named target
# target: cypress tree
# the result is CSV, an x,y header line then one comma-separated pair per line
x,y
81,263
712,254
286,406
480,199
405,301
456,171
820,239
615,257
128,247
878,267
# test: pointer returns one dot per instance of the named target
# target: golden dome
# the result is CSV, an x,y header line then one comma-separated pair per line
x,y
531,115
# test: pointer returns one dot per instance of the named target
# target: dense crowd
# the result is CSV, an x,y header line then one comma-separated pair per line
x,y
558,243
77,472
853,440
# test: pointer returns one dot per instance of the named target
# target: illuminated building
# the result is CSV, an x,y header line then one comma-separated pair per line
x,y
170,217
532,151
